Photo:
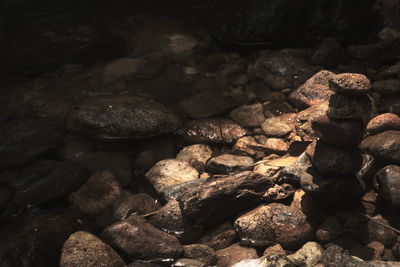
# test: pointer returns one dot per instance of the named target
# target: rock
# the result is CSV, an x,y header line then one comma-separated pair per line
x,y
171,172
273,261
328,159
279,193
122,67
330,53
200,252
121,118
178,44
388,87
228,164
329,230
383,51
378,249
188,263
273,168
383,122
249,116
374,231
388,34
205,105
75,147
391,72
384,146
314,91
86,250
350,84
274,223
98,193
175,191
309,254
222,197
349,107
274,250
248,146
138,239
197,155
128,204
275,146
387,183
344,133
212,131
233,254
24,140
116,162
275,127
305,117
219,237
143,264
171,220
64,177
390,105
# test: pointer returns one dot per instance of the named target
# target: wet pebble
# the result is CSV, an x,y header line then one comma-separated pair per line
x,y
227,164
219,237
275,127
249,116
196,155
308,255
234,254
383,122
387,183
201,253
384,146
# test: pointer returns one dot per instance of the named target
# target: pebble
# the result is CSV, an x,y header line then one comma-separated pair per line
x,y
350,83
201,253
329,230
274,250
386,182
234,254
308,255
249,116
373,231
383,122
383,146
219,237
304,120
275,127
197,155
349,107
228,164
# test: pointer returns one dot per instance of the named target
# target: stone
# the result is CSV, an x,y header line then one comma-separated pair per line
x,y
328,159
275,146
387,183
171,172
219,237
275,127
248,146
138,239
228,164
384,146
121,118
390,105
388,34
304,119
349,107
197,155
383,51
390,72
200,252
378,249
383,122
387,88
189,263
274,223
330,53
372,230
273,168
97,194
221,197
234,254
22,141
279,192
214,131
308,255
272,261
175,191
274,250
83,249
344,133
75,147
314,91
329,230
249,116
350,84
123,67
205,105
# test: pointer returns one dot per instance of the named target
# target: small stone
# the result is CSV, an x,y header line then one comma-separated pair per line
x,y
219,237
378,249
349,107
329,230
383,122
98,193
83,249
197,155
275,127
234,254
387,183
350,83
387,88
249,116
205,105
247,145
171,172
274,250
304,119
275,146
373,231
308,255
201,253
384,146
228,164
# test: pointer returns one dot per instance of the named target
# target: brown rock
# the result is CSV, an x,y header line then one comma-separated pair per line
x,y
351,107
219,237
205,105
233,254
384,146
228,164
383,122
249,116
196,155
304,119
200,252
390,87
274,250
350,83
276,127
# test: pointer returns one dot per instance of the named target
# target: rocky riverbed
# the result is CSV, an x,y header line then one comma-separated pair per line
x,y
167,149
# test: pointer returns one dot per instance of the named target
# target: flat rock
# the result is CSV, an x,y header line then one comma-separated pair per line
x,y
171,172
233,254
83,249
350,84
387,182
276,127
138,239
383,122
205,105
219,237
384,146
222,197
390,87
373,231
249,116
351,107
121,118
228,164
274,223
196,155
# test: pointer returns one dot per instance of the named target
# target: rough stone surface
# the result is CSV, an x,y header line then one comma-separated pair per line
x,y
309,255
329,230
350,83
249,116
387,182
196,155
219,237
384,146
202,253
275,127
373,231
383,122
227,164
349,107
233,254
83,249
304,118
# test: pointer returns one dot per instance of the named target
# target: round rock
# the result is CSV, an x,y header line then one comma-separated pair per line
x,y
196,155
383,122
350,83
383,146
387,182
276,127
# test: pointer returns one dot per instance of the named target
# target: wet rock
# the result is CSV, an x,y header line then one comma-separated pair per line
x,y
383,122
200,252
222,197
384,146
219,237
234,254
227,164
128,204
171,172
138,239
330,53
188,263
304,119
378,250
249,116
328,159
274,223
83,249
98,193
275,146
373,231
274,250
279,192
116,162
387,87
171,220
122,67
197,155
329,230
174,192
275,127
121,118
272,261
309,254
345,133
66,177
387,50
205,105
387,182
314,91
24,140
248,146
350,84
349,107
213,131
388,34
